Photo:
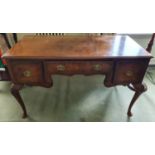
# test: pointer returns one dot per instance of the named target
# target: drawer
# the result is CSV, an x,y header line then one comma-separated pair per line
x,y
26,72
130,72
78,67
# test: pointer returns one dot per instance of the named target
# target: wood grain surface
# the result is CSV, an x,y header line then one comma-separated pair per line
x,y
77,47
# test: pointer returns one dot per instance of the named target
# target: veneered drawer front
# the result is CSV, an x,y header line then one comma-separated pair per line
x,y
26,72
80,67
130,72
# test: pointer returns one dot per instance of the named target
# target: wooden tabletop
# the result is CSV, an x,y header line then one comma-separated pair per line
x,y
76,47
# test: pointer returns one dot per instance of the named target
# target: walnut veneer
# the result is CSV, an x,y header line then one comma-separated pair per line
x,y
34,59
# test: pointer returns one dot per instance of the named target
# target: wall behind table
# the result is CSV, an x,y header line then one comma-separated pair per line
x,y
21,35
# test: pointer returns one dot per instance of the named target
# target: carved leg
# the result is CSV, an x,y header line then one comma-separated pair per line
x,y
48,81
15,92
139,89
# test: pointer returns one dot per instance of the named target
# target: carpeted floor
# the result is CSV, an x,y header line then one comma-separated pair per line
x,y
78,99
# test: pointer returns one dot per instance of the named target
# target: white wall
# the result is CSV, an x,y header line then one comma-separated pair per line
x,y
21,35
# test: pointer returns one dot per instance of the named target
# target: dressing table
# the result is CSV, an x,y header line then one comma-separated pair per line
x,y
34,59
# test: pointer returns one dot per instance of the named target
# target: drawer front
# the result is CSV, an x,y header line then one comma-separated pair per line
x,y
83,67
129,72
26,72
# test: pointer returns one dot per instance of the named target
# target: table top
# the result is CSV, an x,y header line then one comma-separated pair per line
x,y
76,47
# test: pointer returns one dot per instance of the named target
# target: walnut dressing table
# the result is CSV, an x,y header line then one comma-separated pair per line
x,y
34,59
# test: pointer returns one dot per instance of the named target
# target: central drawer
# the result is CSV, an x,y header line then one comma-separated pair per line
x,y
78,67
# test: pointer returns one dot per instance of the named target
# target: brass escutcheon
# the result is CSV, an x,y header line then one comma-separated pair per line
x,y
97,67
60,67
27,73
129,73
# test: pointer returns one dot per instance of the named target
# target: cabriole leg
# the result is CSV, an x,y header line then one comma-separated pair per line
x,y
15,92
139,89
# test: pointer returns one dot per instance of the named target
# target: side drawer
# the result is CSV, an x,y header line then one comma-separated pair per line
x,y
26,72
130,71
78,67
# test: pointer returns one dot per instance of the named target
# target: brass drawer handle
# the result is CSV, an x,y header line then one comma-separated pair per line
x,y
129,73
27,73
97,67
60,67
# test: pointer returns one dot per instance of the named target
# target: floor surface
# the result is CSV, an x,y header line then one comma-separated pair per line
x,y
78,99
